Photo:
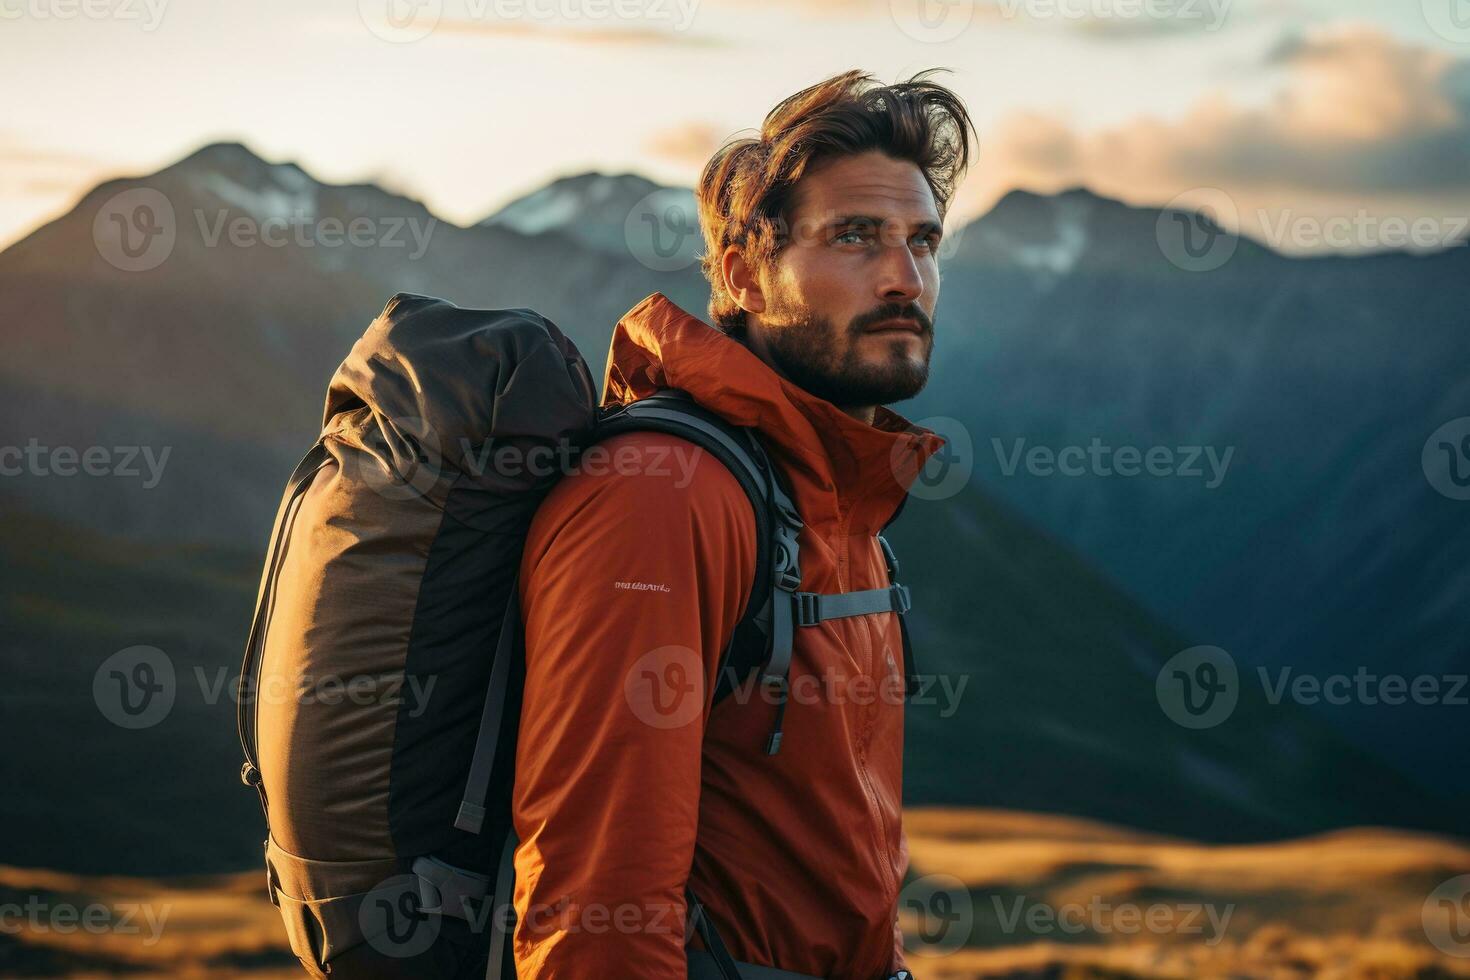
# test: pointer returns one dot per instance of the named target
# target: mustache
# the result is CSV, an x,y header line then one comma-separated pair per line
x,y
866,320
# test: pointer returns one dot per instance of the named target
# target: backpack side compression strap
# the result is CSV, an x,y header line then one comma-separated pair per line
x,y
471,816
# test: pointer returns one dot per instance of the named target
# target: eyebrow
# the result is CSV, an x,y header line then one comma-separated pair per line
x,y
843,220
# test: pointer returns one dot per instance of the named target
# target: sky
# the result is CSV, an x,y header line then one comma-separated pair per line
x,y
1310,124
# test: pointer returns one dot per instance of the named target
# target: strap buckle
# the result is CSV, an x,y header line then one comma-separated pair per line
x,y
444,889
272,880
806,606
905,602
786,570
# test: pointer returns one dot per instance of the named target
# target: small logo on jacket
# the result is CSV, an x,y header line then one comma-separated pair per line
x,y
642,586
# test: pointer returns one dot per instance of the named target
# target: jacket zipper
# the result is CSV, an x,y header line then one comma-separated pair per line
x,y
875,813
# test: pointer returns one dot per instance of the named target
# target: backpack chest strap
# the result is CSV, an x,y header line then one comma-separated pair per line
x,y
811,608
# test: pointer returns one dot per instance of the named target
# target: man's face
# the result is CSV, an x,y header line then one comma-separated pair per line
x,y
864,235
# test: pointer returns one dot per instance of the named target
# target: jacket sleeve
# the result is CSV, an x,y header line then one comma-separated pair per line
x,y
635,572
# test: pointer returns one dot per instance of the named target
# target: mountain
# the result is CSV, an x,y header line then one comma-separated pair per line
x,y
212,363
223,349
600,211
1323,548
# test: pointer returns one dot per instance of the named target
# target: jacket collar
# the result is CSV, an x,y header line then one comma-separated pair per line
x,y
837,466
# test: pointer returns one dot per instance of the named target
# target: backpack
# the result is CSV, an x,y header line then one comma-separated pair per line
x,y
379,697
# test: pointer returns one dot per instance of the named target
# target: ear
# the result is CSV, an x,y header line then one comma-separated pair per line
x,y
741,281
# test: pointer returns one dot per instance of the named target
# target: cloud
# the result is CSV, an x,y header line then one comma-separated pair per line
x,y
1361,121
31,170
1105,20
1120,19
691,143
576,35
17,151
665,24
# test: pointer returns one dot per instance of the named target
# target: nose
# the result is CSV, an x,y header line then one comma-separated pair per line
x,y
899,280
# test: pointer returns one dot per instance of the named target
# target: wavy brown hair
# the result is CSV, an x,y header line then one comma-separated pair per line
x,y
748,185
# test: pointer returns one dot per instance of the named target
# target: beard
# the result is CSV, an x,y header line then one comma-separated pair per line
x,y
809,351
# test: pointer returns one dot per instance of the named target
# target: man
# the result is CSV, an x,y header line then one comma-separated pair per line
x,y
821,243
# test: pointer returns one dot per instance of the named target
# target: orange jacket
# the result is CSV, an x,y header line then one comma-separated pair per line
x,y
636,568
